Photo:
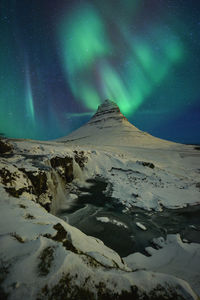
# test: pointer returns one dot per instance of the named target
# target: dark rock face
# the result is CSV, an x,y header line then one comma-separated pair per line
x,y
38,180
38,187
198,185
64,166
67,288
61,236
8,179
16,193
46,258
146,164
6,176
108,110
5,147
80,158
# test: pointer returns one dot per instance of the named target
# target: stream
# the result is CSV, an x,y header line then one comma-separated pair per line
x,y
98,214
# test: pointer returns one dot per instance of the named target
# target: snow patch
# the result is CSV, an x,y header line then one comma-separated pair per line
x,y
112,221
141,226
173,257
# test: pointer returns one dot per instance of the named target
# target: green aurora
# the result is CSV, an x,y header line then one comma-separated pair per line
x,y
87,49
60,60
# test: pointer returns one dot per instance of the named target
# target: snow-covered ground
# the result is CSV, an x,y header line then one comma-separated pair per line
x,y
173,257
144,171
43,257
41,254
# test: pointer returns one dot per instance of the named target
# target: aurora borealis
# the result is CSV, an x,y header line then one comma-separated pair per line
x,y
60,59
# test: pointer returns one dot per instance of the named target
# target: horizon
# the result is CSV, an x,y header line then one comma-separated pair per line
x,y
59,61
91,116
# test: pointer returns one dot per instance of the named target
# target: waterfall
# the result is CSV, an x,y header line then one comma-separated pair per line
x,y
57,188
78,173
62,196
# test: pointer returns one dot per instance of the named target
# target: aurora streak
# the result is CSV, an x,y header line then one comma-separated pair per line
x,y
59,61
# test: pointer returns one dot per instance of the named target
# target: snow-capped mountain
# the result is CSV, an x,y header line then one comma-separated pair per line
x,y
109,127
124,188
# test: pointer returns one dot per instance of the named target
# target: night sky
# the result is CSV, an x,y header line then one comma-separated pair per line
x,y
60,59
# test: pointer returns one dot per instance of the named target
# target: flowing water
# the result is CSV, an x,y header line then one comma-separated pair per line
x,y
119,230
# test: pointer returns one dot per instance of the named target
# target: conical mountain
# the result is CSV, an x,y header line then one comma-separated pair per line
x,y
109,127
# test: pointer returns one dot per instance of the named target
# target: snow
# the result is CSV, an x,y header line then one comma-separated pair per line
x,y
103,219
120,154
116,151
26,256
174,257
155,188
112,221
141,226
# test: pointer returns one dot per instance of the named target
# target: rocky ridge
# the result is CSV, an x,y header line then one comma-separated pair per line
x,y
107,110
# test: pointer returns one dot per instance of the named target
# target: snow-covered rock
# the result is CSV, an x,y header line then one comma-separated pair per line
x,y
173,257
43,257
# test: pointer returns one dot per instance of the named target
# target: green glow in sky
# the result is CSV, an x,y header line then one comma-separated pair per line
x,y
83,42
114,87
84,39
29,99
86,55
63,57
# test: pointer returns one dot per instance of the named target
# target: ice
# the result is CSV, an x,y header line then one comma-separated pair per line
x,y
141,226
112,221
174,257
141,171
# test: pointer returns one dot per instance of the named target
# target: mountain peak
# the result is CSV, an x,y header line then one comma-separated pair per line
x,y
109,127
107,111
108,105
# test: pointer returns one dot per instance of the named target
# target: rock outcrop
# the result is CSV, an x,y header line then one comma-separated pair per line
x,y
64,166
5,146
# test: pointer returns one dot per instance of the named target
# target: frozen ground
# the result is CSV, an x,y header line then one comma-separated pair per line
x,y
173,256
143,179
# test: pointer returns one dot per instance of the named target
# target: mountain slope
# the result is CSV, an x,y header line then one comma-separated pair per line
x,y
109,127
